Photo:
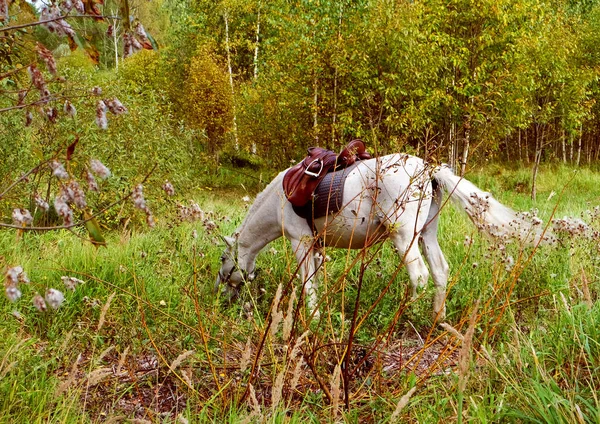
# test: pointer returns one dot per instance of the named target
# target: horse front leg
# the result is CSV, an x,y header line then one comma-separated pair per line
x,y
305,255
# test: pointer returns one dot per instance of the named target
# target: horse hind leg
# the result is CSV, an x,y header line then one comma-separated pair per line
x,y
408,248
435,257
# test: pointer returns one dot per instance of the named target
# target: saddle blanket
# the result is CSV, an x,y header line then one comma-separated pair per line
x,y
327,198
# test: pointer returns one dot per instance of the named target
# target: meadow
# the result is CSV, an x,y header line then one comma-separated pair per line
x,y
143,338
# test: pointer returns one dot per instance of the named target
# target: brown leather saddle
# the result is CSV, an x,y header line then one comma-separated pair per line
x,y
301,180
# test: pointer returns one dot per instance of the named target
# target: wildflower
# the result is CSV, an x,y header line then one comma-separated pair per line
x,y
41,203
141,33
22,217
12,275
28,118
39,303
63,210
13,293
58,170
101,120
70,109
510,262
66,6
52,114
150,219
468,241
115,106
99,169
71,282
47,58
76,193
168,188
138,197
4,11
54,298
79,7
127,45
135,44
92,184
209,225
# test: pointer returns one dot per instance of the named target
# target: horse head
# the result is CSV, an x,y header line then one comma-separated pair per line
x,y
230,273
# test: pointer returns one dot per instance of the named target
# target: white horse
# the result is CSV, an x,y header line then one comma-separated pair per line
x,y
396,196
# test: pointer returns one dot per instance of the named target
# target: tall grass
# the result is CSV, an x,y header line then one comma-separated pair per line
x,y
145,338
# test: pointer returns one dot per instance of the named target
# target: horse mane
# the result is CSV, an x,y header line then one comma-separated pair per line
x,y
260,197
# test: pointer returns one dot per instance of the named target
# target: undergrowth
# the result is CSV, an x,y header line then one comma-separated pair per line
x,y
145,338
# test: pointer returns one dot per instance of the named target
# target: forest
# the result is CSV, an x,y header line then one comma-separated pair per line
x,y
135,136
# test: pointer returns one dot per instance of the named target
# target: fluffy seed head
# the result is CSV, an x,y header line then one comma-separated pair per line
x,y
71,283
70,109
99,169
168,188
115,106
22,217
39,303
54,298
101,119
40,202
58,170
13,293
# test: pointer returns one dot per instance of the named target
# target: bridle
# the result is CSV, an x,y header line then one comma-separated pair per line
x,y
227,279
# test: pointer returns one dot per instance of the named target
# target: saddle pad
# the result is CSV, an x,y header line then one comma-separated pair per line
x,y
327,197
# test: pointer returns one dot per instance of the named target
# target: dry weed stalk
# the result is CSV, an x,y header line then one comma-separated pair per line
x,y
256,411
246,355
288,323
104,311
97,376
122,360
296,374
186,374
180,359
276,315
452,331
62,387
401,404
105,352
335,390
277,389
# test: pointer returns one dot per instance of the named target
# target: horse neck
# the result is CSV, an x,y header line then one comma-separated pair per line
x,y
262,224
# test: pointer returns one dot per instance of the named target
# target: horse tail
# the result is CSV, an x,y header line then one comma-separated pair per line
x,y
489,215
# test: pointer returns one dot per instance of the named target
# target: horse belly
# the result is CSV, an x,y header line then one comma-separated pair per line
x,y
349,229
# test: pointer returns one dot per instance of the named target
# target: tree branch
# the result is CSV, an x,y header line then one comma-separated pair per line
x,y
80,222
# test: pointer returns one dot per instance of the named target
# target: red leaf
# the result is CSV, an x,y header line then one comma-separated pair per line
x,y
71,148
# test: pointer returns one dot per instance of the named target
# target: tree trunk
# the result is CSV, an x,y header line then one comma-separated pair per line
x,y
235,133
316,108
579,144
519,142
564,146
526,146
536,163
335,83
255,60
452,155
465,155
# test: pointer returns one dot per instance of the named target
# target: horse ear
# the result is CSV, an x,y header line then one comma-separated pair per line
x,y
229,241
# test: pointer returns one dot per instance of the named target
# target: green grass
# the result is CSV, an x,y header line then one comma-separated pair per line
x,y
534,355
